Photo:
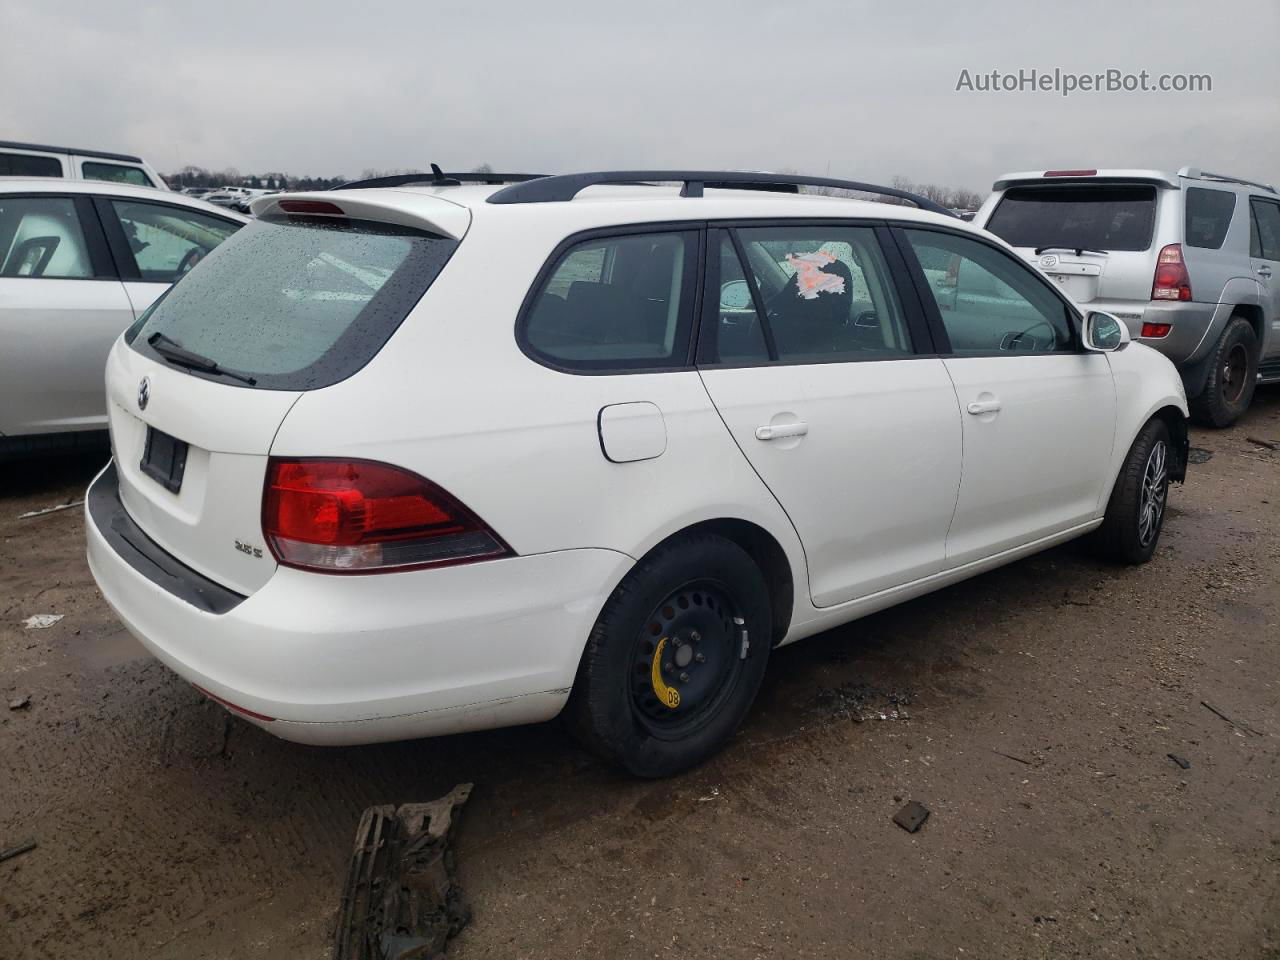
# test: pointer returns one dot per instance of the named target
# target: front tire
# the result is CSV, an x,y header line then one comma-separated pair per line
x,y
1135,512
675,658
1233,375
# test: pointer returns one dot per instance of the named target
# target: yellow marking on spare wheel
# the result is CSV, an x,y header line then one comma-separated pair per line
x,y
667,695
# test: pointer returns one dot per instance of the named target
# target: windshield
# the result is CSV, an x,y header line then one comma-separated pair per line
x,y
1101,216
297,303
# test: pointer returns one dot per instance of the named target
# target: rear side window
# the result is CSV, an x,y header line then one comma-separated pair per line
x,y
1208,216
115,173
1265,230
298,303
826,294
616,303
24,165
42,237
1103,217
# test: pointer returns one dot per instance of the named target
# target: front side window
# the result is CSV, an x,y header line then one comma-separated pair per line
x,y
1265,232
167,241
1096,216
25,165
1208,215
115,173
297,303
990,303
826,294
42,237
623,302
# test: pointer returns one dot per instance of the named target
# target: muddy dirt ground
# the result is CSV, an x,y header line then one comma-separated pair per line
x,y
168,829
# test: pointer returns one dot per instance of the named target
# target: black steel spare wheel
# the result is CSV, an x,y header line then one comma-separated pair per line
x,y
687,657
675,657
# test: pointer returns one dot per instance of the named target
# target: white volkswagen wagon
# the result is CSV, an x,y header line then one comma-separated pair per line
x,y
419,456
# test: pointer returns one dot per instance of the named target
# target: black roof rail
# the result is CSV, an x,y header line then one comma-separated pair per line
x,y
438,178
79,152
567,186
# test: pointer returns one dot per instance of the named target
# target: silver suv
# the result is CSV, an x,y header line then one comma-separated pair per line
x,y
1187,260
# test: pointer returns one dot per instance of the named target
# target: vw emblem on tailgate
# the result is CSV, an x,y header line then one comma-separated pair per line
x,y
1049,260
144,393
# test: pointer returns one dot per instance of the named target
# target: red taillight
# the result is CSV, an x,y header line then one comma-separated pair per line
x,y
1156,329
1071,173
357,516
1172,282
310,206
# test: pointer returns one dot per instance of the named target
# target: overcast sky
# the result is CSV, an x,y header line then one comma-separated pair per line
x,y
863,89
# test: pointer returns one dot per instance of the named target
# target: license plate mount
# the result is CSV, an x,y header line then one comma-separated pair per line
x,y
164,459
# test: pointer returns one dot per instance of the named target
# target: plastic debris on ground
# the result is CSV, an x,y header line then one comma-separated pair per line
x,y
401,901
41,620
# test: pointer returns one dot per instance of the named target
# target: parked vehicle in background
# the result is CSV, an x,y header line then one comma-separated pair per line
x,y
199,191
411,461
229,197
80,260
36,160
1189,260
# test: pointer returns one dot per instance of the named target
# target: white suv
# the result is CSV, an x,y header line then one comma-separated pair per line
x,y
75,163
407,460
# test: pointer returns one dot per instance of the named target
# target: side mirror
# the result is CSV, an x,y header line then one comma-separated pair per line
x,y
1103,333
735,295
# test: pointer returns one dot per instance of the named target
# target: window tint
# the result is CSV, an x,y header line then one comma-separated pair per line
x,y
115,173
167,241
989,302
1102,217
739,333
826,291
41,237
617,302
24,165
298,303
1208,216
1266,229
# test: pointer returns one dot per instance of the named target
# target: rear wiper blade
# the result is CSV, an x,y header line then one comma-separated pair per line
x,y
179,355
1079,251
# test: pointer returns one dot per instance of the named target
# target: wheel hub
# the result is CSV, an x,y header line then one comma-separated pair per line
x,y
685,658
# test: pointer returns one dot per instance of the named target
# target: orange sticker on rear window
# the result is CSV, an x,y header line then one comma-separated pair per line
x,y
811,279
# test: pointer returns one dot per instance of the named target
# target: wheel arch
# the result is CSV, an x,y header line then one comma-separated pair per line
x,y
1251,312
768,555
1177,425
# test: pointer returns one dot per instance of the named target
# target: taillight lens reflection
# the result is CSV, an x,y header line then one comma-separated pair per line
x,y
358,516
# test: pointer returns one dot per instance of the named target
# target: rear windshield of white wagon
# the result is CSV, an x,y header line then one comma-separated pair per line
x,y
294,303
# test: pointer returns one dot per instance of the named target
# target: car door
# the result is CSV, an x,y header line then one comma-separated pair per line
x,y
157,243
1039,411
821,369
61,308
1264,255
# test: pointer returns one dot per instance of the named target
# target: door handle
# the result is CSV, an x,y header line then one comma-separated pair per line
x,y
1264,271
979,407
772,431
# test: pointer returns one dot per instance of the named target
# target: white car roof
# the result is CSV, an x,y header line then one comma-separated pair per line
x,y
108,188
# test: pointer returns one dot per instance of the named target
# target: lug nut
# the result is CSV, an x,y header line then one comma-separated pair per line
x,y
667,666
699,658
684,678
695,636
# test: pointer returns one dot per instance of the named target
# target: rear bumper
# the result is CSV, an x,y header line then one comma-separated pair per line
x,y
1189,322
332,660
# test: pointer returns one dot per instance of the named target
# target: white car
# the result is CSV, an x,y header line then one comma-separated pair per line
x,y
74,163
407,461
80,261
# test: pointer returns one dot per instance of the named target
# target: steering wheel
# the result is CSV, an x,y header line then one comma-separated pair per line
x,y
193,256
1014,337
